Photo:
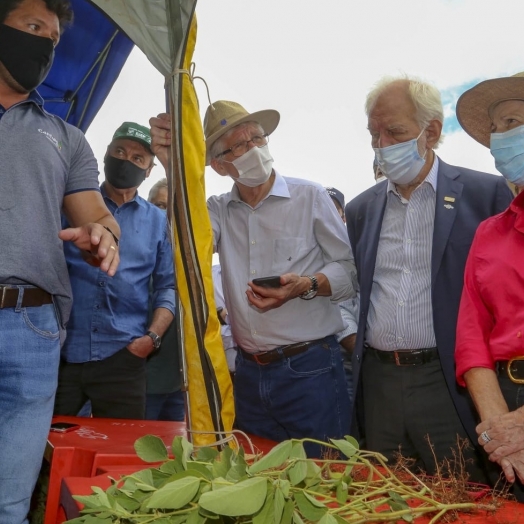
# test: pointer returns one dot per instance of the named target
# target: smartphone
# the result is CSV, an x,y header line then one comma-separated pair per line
x,y
63,427
267,281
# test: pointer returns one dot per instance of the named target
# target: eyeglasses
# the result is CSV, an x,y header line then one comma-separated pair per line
x,y
243,147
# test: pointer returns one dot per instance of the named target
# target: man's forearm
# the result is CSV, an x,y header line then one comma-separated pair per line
x,y
484,389
161,321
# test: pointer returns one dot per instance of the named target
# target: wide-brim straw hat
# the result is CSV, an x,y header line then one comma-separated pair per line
x,y
223,115
475,105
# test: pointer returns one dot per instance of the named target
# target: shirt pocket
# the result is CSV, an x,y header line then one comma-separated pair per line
x,y
287,252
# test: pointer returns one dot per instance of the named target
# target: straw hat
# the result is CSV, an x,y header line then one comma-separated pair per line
x,y
223,115
475,105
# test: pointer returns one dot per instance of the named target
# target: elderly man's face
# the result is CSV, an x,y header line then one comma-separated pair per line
x,y
507,115
223,165
160,199
392,119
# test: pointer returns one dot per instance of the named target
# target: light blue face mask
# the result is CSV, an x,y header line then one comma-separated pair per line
x,y
400,163
508,150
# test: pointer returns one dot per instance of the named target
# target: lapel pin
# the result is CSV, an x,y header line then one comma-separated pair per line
x,y
448,206
449,199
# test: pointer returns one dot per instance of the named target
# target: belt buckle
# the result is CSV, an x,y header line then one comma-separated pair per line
x,y
510,374
255,356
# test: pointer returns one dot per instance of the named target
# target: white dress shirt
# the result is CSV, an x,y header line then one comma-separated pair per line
x,y
401,313
295,229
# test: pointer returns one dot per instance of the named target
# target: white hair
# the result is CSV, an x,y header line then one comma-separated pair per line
x,y
425,98
219,145
153,192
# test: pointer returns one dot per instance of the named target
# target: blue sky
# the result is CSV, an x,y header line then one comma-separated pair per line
x,y
315,61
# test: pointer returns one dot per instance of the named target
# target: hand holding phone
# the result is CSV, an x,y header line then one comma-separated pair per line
x,y
267,281
63,427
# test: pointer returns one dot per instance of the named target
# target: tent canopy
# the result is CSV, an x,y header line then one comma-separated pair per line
x,y
87,64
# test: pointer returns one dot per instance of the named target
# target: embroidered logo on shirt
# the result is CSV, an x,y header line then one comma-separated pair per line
x,y
51,139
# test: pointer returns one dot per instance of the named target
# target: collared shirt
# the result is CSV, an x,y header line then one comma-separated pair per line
x,y
400,312
43,160
295,229
110,312
490,325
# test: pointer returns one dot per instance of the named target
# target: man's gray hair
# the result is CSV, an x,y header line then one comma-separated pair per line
x,y
219,145
425,97
153,192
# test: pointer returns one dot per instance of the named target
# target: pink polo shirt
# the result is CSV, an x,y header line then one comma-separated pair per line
x,y
490,324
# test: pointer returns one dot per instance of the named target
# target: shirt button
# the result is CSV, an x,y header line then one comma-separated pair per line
x,y
95,330
253,242
97,306
401,303
101,284
406,270
400,338
254,332
253,272
408,241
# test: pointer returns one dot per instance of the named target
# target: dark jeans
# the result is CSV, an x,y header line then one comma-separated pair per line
x,y
403,405
298,397
166,406
116,386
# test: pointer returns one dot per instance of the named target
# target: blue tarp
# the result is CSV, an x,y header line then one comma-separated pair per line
x,y
88,60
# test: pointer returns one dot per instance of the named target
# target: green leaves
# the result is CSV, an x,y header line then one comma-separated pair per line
x,y
275,458
284,487
151,449
175,494
243,498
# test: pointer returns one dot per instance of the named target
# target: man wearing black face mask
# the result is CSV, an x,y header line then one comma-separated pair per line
x,y
47,167
108,337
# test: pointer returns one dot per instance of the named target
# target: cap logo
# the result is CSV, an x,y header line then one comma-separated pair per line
x,y
223,122
131,131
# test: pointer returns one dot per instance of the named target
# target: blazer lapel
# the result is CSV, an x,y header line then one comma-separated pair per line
x,y
373,213
449,192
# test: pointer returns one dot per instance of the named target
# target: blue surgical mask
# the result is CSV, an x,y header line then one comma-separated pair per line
x,y
508,150
400,163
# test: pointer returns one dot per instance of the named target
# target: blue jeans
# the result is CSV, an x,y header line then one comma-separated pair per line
x,y
29,357
297,397
166,406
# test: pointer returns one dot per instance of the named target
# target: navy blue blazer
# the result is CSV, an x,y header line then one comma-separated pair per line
x,y
477,196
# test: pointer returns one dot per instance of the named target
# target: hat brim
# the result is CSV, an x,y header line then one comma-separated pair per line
x,y
473,106
267,118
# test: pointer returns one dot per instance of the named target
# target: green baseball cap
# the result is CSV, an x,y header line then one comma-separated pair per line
x,y
136,132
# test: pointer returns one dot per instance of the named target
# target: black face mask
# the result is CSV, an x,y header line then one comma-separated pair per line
x,y
28,58
123,174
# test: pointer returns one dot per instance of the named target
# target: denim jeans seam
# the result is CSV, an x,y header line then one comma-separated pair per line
x,y
48,335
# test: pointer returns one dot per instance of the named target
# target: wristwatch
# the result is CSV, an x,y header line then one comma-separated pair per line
x,y
155,338
312,291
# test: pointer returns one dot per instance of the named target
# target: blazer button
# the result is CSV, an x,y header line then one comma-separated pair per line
x,y
358,358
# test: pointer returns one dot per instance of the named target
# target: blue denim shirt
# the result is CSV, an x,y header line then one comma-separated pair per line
x,y
110,312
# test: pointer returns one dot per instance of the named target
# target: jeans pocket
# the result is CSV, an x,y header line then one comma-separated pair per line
x,y
317,360
42,320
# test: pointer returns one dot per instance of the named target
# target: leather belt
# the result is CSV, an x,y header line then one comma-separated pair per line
x,y
513,368
405,357
33,297
281,352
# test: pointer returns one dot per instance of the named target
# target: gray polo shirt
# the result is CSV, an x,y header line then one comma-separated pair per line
x,y
43,159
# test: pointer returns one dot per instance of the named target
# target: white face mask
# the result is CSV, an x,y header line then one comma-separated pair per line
x,y
254,167
400,163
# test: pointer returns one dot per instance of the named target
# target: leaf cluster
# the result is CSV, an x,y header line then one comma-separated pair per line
x,y
207,486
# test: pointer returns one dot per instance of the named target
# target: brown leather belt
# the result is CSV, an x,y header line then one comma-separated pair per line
x,y
281,352
405,357
33,297
514,369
